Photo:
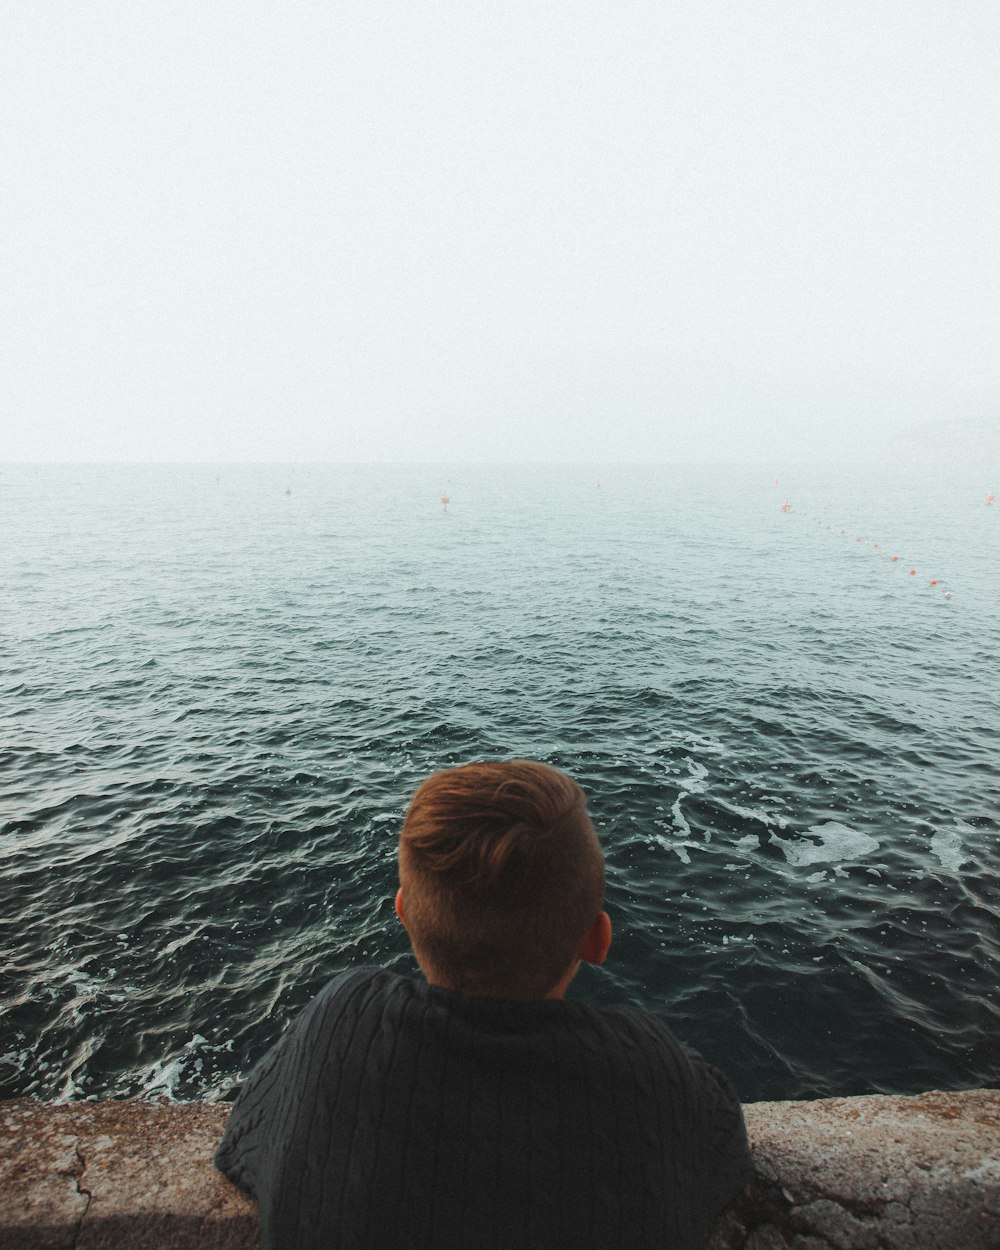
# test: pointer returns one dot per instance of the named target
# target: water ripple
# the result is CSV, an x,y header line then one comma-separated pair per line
x,y
216,699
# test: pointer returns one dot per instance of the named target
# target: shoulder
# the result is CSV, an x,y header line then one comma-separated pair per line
x,y
641,1034
633,1025
287,1072
694,1088
351,995
336,1009
641,1028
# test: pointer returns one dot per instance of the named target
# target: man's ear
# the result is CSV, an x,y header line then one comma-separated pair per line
x,y
399,907
597,940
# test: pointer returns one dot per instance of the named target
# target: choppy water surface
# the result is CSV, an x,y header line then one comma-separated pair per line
x,y
216,696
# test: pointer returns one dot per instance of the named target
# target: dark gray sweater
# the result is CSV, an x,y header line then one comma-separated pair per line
x,y
394,1114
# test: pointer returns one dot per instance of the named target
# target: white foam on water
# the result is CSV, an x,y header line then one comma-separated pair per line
x,y
753,813
946,846
694,783
679,820
163,1076
678,848
838,844
749,842
81,978
694,742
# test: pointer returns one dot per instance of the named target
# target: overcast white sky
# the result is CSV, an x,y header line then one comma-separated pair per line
x,y
495,231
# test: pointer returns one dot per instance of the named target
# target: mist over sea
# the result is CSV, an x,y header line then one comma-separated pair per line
x,y
219,685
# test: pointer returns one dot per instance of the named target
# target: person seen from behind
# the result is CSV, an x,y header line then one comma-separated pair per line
x,y
478,1106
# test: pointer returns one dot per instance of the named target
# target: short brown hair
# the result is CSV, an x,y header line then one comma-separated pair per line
x,y
502,876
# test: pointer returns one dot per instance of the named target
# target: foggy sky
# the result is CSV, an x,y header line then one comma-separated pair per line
x,y
507,231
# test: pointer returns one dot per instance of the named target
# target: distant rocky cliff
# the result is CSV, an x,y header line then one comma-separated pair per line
x,y
948,442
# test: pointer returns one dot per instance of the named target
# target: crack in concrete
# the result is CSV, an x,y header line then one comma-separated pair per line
x,y
82,1191
798,1201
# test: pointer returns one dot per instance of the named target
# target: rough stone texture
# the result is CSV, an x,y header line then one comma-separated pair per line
x,y
879,1173
121,1175
876,1173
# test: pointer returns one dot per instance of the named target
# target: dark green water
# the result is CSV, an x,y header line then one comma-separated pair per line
x,y
216,697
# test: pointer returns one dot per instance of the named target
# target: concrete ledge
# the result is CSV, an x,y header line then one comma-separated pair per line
x,y
117,1175
876,1173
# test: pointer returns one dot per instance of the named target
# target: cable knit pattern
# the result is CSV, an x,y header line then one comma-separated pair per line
x,y
394,1115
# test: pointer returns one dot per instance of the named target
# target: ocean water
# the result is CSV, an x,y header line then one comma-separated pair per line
x,y
219,685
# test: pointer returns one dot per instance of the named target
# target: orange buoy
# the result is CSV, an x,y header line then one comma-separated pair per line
x,y
933,581
912,572
894,559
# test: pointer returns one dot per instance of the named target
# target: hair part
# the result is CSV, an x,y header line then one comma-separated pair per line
x,y
502,876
